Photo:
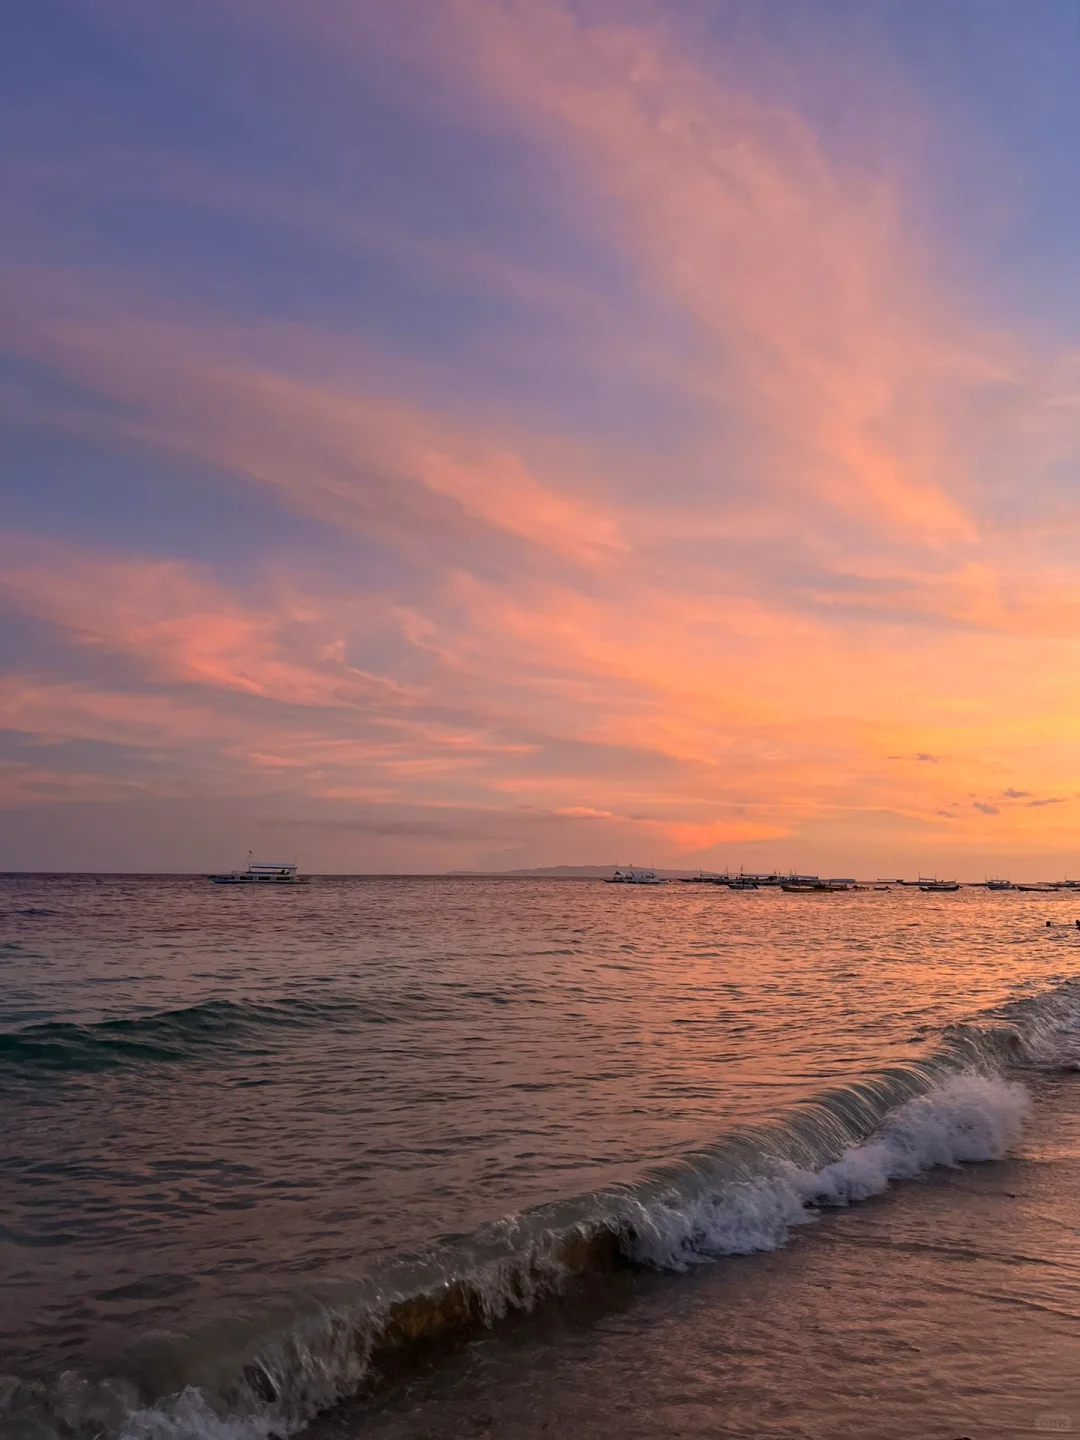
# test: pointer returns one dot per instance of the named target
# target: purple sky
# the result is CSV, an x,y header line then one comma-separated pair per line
x,y
489,433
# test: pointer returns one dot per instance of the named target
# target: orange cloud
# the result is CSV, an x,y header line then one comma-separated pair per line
x,y
157,610
379,465
805,289
721,643
674,727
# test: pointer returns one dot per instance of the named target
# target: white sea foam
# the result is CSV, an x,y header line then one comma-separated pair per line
x,y
968,1118
190,1417
742,1197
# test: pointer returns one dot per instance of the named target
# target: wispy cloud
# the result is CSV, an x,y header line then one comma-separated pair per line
x,y
727,537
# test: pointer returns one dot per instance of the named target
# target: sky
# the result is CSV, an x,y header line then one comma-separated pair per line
x,y
481,434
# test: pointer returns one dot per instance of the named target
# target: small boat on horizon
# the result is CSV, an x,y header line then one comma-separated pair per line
x,y
261,872
632,876
938,887
813,886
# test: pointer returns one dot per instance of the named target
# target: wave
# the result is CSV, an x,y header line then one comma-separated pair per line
x,y
1040,1032
165,1036
265,1378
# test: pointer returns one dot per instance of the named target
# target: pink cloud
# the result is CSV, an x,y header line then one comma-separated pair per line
x,y
726,650
807,293
182,629
377,464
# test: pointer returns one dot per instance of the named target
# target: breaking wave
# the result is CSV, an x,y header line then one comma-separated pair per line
x,y
260,1379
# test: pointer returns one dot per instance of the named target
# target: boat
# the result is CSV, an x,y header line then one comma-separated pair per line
x,y
804,886
262,872
939,887
1042,889
632,876
1002,885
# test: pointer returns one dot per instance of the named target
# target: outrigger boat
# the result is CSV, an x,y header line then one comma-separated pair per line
x,y
261,872
630,876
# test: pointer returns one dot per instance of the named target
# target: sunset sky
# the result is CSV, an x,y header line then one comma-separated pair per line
x,y
450,434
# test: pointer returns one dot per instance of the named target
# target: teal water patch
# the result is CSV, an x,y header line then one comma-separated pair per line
x,y
170,1036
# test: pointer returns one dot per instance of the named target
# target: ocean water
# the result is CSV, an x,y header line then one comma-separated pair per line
x,y
265,1154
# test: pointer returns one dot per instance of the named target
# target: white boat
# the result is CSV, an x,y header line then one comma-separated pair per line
x,y
262,872
631,876
1000,885
938,887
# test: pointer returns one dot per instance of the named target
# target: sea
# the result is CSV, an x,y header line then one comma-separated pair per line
x,y
452,1156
